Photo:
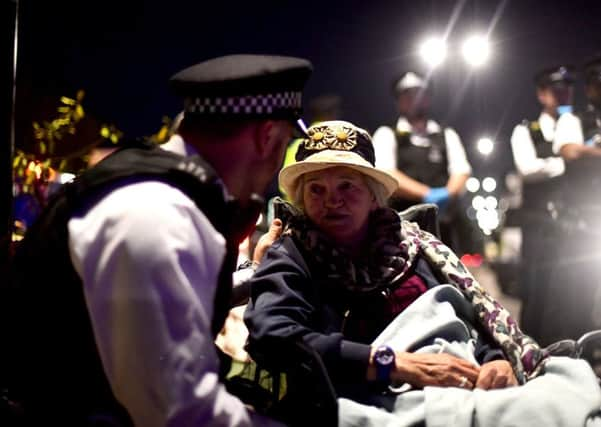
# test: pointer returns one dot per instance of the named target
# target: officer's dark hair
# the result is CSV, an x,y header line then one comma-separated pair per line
x,y
213,128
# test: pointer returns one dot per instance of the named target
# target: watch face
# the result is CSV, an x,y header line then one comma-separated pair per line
x,y
384,356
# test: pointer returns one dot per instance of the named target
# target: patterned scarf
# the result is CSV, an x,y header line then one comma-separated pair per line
x,y
393,248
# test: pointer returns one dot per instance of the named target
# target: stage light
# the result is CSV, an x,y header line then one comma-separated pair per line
x,y
433,51
476,50
485,146
491,202
478,203
489,184
487,219
472,184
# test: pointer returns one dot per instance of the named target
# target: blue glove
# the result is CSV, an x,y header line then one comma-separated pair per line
x,y
439,196
593,141
562,109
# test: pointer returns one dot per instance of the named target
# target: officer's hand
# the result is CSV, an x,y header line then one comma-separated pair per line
x,y
496,374
267,239
439,196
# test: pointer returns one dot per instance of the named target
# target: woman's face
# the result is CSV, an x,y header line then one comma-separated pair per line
x,y
339,202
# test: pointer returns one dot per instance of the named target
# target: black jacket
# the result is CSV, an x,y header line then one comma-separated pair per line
x,y
290,303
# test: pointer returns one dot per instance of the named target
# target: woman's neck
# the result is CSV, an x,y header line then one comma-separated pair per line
x,y
355,249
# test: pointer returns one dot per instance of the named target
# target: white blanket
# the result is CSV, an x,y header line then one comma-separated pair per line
x,y
567,395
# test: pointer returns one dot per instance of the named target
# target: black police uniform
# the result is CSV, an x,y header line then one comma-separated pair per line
x,y
412,158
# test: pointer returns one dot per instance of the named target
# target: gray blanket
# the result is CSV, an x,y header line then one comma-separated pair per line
x,y
567,395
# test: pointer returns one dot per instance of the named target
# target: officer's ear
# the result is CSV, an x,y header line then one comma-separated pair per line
x,y
261,136
270,136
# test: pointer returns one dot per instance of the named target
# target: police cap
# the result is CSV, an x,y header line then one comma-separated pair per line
x,y
244,86
554,75
409,80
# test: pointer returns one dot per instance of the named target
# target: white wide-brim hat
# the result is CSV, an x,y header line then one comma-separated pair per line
x,y
333,144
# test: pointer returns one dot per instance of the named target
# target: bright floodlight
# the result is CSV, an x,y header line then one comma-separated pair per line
x,y
476,50
491,202
485,146
472,184
478,203
489,184
433,51
488,219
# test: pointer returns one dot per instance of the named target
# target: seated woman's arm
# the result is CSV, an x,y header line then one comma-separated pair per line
x,y
284,308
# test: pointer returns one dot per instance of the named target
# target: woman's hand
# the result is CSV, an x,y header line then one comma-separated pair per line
x,y
442,370
267,239
496,374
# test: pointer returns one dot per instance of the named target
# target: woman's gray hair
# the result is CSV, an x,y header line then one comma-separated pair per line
x,y
377,190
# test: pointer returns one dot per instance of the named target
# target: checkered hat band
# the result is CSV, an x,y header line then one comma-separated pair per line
x,y
250,104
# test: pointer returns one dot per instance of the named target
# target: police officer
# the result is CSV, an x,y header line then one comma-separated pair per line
x,y
578,277
126,281
541,171
427,159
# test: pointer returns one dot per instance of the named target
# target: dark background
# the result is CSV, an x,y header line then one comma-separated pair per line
x,y
123,52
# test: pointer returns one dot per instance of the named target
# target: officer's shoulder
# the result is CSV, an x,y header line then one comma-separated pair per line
x,y
569,119
449,130
522,126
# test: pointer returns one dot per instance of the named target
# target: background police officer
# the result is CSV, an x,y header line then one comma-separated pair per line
x,y
577,280
427,159
541,171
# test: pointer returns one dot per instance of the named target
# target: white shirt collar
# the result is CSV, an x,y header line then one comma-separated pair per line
x,y
403,125
418,139
177,145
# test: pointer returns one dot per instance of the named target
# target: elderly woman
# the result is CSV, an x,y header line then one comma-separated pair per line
x,y
388,307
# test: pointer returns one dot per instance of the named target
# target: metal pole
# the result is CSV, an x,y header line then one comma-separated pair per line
x,y
8,53
10,11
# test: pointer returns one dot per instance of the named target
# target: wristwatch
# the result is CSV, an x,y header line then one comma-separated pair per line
x,y
384,361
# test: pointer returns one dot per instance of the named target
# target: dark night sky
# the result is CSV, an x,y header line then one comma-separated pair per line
x,y
123,52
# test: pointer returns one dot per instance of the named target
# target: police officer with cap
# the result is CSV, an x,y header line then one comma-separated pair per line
x,y
151,244
428,159
577,279
542,172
